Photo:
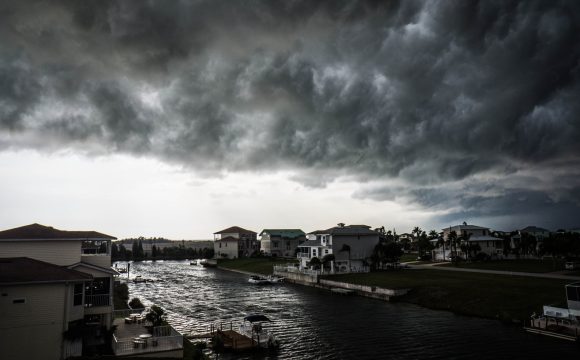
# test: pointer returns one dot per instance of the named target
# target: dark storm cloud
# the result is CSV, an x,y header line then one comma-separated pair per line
x,y
433,94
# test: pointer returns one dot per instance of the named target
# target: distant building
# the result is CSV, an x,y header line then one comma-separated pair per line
x,y
539,233
472,234
54,282
235,242
351,245
281,242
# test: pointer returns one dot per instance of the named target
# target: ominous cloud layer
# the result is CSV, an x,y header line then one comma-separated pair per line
x,y
466,107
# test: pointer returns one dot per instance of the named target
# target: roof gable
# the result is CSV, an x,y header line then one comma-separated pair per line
x,y
234,230
41,232
284,233
22,270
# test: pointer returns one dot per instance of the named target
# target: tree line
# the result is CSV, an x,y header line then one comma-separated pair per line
x,y
179,252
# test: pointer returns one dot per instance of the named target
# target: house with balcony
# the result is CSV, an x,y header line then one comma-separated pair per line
x,y
66,289
235,242
351,246
470,235
281,242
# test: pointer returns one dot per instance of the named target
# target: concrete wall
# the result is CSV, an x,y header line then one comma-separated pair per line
x,y
32,330
59,252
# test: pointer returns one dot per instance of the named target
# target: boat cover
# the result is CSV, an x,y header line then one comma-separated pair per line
x,y
256,317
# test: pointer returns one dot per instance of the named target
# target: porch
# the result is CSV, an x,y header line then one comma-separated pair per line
x,y
135,338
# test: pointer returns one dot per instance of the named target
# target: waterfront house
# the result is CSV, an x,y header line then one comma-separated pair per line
x,y
469,235
55,285
281,242
235,242
351,246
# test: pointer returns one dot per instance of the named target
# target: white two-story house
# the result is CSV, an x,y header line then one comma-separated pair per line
x,y
471,234
56,291
351,246
235,242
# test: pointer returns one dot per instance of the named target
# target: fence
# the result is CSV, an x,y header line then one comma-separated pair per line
x,y
97,300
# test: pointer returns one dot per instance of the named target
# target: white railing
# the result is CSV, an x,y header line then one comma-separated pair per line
x,y
173,341
302,255
97,300
122,313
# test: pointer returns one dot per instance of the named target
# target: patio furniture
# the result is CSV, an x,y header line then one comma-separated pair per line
x,y
128,320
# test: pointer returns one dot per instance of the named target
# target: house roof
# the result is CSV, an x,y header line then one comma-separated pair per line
x,y
284,233
23,270
310,243
94,267
235,229
41,232
347,230
533,229
465,227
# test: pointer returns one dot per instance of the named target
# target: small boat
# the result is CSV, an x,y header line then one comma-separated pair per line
x,y
267,280
208,263
140,279
258,280
275,279
253,328
559,323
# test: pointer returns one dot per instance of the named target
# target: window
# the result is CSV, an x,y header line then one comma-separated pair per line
x,y
78,295
275,244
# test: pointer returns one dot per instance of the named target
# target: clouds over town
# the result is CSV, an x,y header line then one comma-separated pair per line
x,y
467,108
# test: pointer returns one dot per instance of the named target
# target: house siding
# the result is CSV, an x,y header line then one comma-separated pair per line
x,y
58,252
98,260
39,321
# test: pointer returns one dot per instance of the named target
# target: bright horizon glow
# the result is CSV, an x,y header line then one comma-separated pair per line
x,y
127,197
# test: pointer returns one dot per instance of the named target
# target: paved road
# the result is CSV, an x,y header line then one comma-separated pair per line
x,y
498,272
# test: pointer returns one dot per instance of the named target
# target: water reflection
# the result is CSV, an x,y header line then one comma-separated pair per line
x,y
314,324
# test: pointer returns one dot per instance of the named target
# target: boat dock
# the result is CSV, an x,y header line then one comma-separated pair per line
x,y
342,291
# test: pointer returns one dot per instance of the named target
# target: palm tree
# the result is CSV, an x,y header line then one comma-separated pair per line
x,y
452,238
417,232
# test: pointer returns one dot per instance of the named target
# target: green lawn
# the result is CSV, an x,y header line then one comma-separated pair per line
x,y
255,265
408,257
485,295
533,266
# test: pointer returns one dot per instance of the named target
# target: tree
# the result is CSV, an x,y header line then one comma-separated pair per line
x,y
315,262
423,244
327,259
156,316
417,231
135,303
452,239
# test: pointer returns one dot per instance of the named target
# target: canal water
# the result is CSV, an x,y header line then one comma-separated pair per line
x,y
315,324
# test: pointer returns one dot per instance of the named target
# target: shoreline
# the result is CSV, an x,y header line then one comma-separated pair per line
x,y
378,297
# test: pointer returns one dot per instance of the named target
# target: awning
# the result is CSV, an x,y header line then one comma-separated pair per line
x,y
256,318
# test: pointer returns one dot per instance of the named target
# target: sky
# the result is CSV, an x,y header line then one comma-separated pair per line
x,y
182,118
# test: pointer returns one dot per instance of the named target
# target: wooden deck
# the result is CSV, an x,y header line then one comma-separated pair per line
x,y
235,341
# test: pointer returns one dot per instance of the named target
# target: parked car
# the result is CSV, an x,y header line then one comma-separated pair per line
x,y
572,265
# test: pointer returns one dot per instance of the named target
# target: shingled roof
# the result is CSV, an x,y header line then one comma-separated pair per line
x,y
23,270
41,232
235,229
284,233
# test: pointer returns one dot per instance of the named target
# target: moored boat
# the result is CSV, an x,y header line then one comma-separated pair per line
x,y
559,322
258,280
254,327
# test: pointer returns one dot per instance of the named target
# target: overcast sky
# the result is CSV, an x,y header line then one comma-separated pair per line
x,y
181,118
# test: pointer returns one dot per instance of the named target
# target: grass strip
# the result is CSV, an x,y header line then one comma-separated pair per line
x,y
502,297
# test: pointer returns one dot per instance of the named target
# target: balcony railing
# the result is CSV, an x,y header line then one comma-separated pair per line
x,y
165,338
97,300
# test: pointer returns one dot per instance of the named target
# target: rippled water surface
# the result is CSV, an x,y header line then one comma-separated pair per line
x,y
314,324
